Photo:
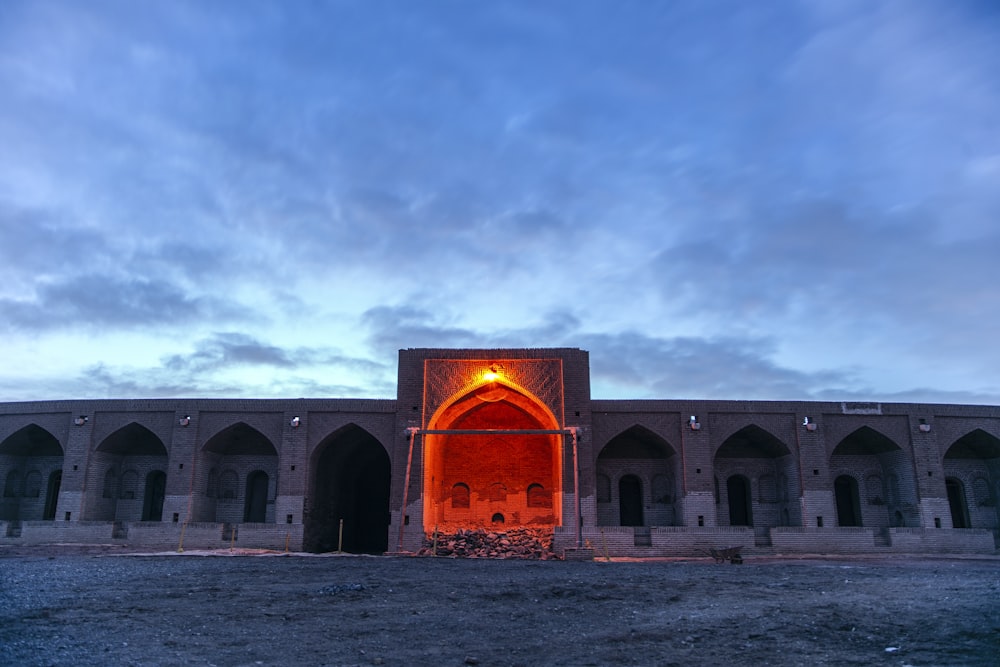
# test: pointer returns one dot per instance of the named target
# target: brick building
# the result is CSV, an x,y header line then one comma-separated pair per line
x,y
502,438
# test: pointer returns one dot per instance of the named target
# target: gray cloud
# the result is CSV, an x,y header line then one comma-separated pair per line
x,y
99,300
229,349
779,174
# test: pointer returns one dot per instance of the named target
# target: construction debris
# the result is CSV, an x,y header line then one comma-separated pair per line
x,y
523,543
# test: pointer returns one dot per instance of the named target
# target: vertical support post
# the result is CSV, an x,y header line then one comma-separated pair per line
x,y
340,537
576,491
412,435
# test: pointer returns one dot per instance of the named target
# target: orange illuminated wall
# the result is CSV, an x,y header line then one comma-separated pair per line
x,y
497,479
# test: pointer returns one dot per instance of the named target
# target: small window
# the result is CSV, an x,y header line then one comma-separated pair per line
x,y
460,496
603,489
538,496
33,484
130,485
212,489
498,518
228,481
12,489
110,483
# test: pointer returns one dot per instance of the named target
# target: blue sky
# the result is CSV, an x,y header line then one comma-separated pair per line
x,y
749,200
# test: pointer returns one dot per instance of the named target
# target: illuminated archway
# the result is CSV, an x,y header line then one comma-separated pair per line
x,y
513,474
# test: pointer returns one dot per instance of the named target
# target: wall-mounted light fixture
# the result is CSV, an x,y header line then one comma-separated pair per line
x,y
81,420
185,420
809,426
295,422
924,426
694,423
493,373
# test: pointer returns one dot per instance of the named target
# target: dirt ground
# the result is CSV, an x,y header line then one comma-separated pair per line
x,y
90,607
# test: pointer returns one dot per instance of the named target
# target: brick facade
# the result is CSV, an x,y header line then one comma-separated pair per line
x,y
486,438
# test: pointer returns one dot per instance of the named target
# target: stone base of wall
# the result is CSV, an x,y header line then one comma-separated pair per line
x,y
627,542
825,540
934,540
618,541
155,534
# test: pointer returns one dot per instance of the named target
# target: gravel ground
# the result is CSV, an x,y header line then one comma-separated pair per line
x,y
89,607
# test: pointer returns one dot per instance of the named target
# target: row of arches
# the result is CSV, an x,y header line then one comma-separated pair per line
x,y
234,476
874,480
637,478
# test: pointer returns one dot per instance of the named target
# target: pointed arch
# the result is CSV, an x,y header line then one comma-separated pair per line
x,y
497,467
752,442
349,479
240,439
874,480
753,458
31,440
29,454
121,474
133,439
865,441
972,469
492,391
643,462
976,444
239,470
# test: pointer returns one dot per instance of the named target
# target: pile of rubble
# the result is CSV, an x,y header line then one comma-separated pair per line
x,y
528,543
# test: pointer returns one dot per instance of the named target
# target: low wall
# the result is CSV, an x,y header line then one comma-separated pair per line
x,y
620,541
942,540
789,539
72,532
682,541
157,534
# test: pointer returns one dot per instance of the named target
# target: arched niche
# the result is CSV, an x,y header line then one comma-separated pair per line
x,y
237,477
973,463
763,473
649,496
127,472
499,468
349,477
872,460
29,458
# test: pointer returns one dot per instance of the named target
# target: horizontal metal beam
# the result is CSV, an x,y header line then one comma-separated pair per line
x,y
492,431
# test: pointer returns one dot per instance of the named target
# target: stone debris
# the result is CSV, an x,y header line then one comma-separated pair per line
x,y
523,543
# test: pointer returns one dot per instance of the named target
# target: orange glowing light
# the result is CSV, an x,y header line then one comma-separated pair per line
x,y
492,374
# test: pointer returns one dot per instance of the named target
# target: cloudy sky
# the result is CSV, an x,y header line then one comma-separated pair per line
x,y
720,199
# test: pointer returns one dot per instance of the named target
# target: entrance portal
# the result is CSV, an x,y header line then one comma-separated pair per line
x,y
956,502
630,500
255,505
156,487
845,489
52,495
740,509
471,479
349,482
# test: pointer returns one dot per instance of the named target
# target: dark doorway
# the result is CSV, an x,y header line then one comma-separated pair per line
x,y
956,501
156,487
52,495
349,482
740,510
630,500
845,489
255,505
